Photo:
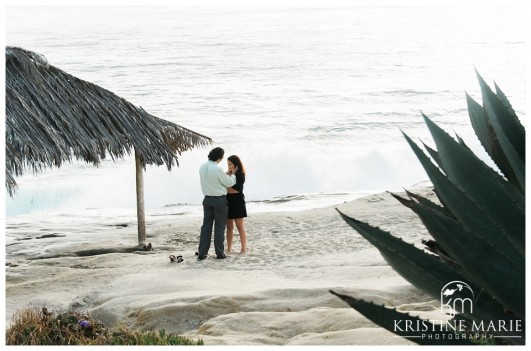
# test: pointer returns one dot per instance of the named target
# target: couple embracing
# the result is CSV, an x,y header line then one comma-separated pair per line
x,y
223,205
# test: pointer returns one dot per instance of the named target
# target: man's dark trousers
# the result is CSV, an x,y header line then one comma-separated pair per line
x,y
215,213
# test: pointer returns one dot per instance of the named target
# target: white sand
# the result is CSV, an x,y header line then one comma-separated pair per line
x,y
275,295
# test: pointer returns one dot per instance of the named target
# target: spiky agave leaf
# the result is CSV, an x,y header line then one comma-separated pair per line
x,y
424,271
427,202
467,211
486,307
487,137
511,113
509,132
433,247
396,322
503,203
481,223
480,261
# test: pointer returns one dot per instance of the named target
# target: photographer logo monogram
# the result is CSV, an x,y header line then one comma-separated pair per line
x,y
458,297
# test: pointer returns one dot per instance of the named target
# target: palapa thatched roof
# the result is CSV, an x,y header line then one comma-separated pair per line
x,y
52,117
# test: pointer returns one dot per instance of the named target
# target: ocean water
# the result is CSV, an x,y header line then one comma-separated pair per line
x,y
313,99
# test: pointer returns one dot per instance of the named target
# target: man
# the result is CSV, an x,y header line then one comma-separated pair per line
x,y
214,184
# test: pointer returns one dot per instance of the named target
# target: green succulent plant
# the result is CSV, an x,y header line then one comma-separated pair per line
x,y
478,231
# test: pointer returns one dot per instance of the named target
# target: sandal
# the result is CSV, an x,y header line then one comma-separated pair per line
x,y
177,259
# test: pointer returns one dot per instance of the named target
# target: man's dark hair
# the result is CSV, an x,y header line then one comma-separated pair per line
x,y
216,154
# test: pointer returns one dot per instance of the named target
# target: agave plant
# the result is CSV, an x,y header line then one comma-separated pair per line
x,y
478,231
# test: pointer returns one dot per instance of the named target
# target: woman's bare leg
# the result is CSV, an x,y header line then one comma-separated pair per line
x,y
230,234
243,235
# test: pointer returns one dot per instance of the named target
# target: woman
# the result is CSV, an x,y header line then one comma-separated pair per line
x,y
236,200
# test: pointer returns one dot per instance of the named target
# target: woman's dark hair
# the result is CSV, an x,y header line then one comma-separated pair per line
x,y
237,162
216,154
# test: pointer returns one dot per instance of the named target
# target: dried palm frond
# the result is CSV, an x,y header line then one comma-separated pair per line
x,y
53,117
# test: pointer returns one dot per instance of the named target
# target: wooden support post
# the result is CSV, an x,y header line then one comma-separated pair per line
x,y
140,213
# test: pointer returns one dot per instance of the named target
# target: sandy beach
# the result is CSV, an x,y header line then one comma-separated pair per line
x,y
277,294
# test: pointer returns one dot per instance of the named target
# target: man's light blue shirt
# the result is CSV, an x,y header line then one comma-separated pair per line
x,y
214,181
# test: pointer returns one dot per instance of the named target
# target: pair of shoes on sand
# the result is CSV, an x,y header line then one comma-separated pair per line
x,y
177,259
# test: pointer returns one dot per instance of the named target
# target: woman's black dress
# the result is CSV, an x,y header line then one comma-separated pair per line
x,y
236,201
